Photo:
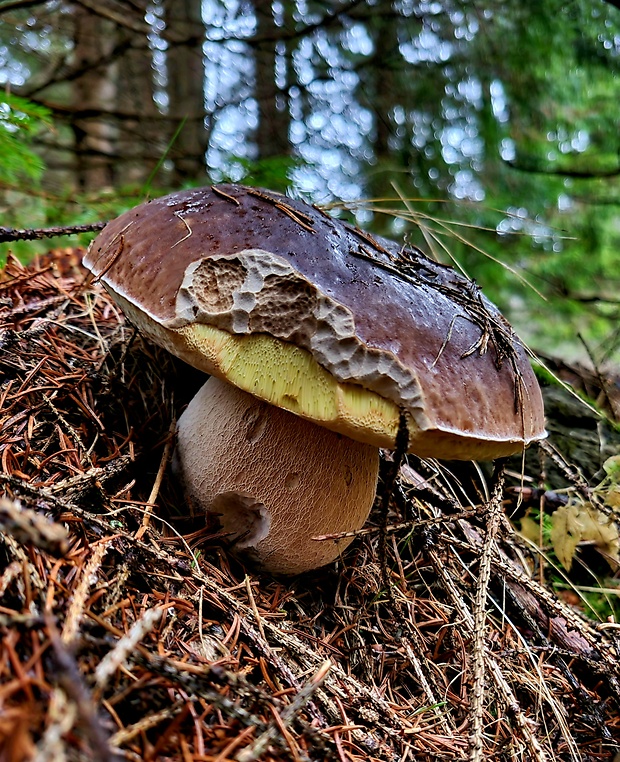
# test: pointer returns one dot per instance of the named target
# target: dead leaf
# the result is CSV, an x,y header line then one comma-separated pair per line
x,y
612,498
602,531
575,523
530,529
566,533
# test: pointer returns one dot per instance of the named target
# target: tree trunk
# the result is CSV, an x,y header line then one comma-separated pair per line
x,y
185,32
140,143
93,90
271,70
382,96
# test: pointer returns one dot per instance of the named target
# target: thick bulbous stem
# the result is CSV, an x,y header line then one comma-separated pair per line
x,y
275,480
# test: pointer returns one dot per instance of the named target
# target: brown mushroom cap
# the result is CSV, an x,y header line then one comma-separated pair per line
x,y
317,317
275,480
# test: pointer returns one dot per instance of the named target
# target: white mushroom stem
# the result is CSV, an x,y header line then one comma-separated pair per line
x,y
275,480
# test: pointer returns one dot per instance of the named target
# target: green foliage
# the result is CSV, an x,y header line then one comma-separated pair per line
x,y
20,121
602,606
273,172
69,208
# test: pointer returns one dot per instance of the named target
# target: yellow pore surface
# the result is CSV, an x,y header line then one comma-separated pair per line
x,y
290,378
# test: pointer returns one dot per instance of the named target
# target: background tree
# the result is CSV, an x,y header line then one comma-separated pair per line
x,y
95,91
142,129
271,75
185,88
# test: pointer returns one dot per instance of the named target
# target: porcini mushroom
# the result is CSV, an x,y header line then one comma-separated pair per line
x,y
324,337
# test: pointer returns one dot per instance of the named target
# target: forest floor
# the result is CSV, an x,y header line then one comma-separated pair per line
x,y
128,632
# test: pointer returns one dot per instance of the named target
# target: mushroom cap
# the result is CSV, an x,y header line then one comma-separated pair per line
x,y
275,481
319,318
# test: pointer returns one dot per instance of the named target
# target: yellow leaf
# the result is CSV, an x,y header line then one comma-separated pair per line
x,y
574,523
609,488
530,529
602,531
612,497
566,533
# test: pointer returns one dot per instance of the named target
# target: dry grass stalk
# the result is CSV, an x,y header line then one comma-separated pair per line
x,y
480,615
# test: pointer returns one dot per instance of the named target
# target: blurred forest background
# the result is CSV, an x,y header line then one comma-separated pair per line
x,y
484,131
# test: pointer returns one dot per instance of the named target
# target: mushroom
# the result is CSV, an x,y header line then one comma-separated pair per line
x,y
320,339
